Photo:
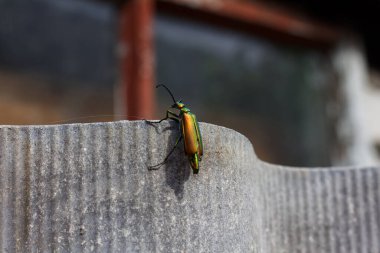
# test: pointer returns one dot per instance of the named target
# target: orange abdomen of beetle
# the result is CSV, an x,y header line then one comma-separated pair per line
x,y
189,133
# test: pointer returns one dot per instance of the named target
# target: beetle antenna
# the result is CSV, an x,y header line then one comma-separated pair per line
x,y
162,85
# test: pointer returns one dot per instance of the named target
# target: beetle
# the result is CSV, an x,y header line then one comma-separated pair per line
x,y
190,133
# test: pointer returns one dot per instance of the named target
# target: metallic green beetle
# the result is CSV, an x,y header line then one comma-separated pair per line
x,y
190,132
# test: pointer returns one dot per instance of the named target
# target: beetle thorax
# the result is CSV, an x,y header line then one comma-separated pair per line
x,y
185,110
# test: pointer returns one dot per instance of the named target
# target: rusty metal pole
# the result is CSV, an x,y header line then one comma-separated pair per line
x,y
137,59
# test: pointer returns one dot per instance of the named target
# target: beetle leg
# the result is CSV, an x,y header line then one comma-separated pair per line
x,y
169,115
157,166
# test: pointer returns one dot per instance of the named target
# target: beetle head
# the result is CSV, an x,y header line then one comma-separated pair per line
x,y
178,105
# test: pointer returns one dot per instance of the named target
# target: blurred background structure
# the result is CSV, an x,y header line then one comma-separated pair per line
x,y
299,78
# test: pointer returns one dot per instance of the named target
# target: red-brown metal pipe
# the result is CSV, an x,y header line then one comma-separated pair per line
x,y
137,59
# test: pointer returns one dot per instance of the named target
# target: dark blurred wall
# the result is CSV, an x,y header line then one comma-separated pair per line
x,y
58,61
65,39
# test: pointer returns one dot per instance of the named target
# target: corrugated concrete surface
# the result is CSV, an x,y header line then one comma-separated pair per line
x,y
86,188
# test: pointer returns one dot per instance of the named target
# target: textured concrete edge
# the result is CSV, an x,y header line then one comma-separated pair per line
x,y
76,183
79,187
325,209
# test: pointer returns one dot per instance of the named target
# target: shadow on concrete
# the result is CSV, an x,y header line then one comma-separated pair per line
x,y
177,167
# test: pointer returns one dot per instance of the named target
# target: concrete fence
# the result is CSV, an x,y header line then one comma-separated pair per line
x,y
86,188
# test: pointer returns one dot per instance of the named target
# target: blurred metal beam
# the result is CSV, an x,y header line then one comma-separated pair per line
x,y
137,57
257,19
